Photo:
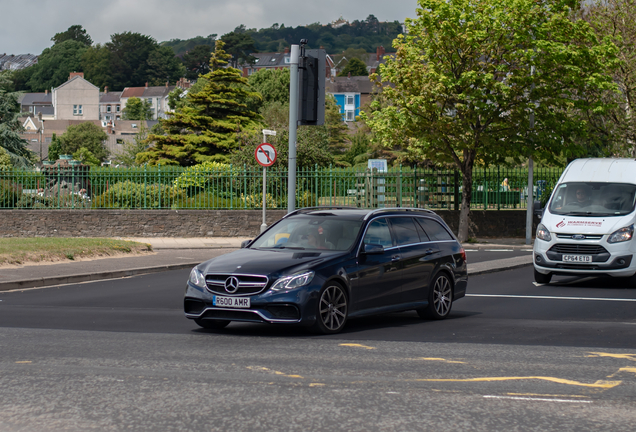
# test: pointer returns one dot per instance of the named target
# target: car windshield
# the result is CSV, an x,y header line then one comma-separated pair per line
x,y
310,232
593,199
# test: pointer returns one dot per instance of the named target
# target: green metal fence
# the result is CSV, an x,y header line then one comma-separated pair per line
x,y
241,188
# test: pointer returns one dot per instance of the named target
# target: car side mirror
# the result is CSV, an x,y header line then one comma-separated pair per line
x,y
245,243
373,249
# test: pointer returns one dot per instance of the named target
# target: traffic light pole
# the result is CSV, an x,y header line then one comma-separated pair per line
x,y
293,125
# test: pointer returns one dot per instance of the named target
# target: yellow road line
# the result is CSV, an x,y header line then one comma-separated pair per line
x,y
356,346
597,384
618,356
438,359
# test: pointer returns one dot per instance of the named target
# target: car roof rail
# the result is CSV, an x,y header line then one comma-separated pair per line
x,y
308,209
388,209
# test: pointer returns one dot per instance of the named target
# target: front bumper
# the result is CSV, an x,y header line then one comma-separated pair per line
x,y
293,307
616,260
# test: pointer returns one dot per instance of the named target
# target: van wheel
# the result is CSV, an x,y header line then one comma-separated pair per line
x,y
542,278
440,299
212,324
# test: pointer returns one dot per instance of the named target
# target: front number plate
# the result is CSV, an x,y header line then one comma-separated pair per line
x,y
577,258
231,302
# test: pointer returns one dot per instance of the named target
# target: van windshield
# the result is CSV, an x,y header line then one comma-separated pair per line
x,y
593,199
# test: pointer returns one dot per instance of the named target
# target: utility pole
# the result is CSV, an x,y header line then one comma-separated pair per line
x,y
293,125
530,197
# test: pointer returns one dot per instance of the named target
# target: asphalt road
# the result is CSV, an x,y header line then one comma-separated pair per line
x,y
119,355
495,253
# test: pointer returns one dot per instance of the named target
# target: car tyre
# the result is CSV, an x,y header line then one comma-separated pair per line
x,y
440,299
542,278
212,324
332,309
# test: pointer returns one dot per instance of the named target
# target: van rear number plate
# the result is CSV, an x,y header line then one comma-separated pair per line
x,y
232,302
577,258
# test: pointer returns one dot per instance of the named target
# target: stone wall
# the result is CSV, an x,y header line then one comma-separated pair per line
x,y
203,223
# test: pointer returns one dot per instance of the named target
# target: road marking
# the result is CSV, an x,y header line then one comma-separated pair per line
x,y
618,356
24,362
536,399
499,250
471,250
597,384
438,359
549,297
264,369
546,395
356,346
316,384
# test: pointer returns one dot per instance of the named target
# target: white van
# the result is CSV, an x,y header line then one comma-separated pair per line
x,y
588,224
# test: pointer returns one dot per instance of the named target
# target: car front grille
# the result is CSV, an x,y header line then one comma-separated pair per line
x,y
247,284
578,249
586,236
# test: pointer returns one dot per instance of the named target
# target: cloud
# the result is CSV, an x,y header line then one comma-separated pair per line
x,y
28,25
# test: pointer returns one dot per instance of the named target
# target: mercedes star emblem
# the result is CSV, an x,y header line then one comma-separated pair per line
x,y
231,284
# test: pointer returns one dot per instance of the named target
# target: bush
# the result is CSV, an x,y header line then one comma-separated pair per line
x,y
213,176
256,201
128,194
10,194
35,201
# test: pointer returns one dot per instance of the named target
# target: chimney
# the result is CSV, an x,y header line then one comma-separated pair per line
x,y
74,74
46,91
109,128
286,50
167,84
379,52
105,89
146,84
349,76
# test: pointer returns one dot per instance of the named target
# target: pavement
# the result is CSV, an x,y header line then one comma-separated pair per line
x,y
181,253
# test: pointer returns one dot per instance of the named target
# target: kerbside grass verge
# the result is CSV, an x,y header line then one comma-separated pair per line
x,y
15,251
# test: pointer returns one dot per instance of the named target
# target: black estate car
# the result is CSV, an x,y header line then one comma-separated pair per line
x,y
320,266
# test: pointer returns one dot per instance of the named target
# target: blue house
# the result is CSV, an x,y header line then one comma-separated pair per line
x,y
350,93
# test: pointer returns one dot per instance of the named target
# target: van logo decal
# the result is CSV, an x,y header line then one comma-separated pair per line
x,y
560,224
578,237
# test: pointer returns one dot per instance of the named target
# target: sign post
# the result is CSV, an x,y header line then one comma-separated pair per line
x,y
266,156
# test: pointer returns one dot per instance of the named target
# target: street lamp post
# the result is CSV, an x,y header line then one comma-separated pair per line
x,y
41,132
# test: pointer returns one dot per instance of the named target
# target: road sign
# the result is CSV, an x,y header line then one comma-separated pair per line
x,y
265,154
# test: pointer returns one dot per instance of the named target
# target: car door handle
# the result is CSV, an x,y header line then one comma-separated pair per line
x,y
395,258
429,252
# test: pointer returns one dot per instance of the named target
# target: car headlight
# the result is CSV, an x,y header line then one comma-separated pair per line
x,y
621,235
293,281
543,233
197,278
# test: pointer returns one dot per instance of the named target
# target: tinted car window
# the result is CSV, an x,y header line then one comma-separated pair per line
x,y
378,233
434,229
405,231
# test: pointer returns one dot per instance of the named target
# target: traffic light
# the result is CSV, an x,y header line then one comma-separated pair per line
x,y
311,77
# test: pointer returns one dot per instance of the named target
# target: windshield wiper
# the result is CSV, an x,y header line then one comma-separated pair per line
x,y
587,214
289,247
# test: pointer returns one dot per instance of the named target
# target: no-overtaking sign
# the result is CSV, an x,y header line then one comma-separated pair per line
x,y
265,154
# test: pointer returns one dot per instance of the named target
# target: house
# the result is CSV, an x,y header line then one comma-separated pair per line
x,y
374,61
350,93
36,103
76,99
156,95
277,61
109,105
15,62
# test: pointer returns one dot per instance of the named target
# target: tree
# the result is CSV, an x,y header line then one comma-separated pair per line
x,y
55,65
197,61
272,84
76,33
469,73
129,54
87,135
163,66
617,127
137,109
355,67
86,157
55,148
240,45
96,66
5,159
10,126
205,128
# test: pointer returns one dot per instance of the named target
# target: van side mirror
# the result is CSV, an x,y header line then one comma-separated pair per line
x,y
538,209
372,249
245,243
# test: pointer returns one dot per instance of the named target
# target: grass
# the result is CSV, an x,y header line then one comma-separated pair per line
x,y
52,249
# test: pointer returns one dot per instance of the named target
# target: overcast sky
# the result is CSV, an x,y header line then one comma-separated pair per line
x,y
28,25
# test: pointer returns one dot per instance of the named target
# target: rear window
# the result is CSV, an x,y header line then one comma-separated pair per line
x,y
405,231
434,229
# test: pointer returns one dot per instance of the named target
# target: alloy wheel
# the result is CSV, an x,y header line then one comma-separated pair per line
x,y
333,308
442,293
